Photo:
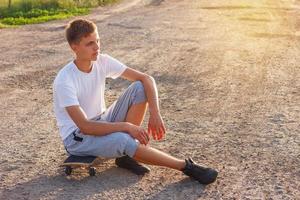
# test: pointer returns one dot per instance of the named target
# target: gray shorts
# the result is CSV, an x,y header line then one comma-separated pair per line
x,y
115,144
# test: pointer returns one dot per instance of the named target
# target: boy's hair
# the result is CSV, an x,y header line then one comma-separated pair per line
x,y
79,28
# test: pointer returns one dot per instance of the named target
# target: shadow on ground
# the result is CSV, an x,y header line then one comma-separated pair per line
x,y
184,189
62,187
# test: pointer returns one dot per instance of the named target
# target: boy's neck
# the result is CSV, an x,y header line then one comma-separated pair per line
x,y
83,65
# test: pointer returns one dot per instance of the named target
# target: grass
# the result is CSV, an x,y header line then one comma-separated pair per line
x,y
37,11
27,18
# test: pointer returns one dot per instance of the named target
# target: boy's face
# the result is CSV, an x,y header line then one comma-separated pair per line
x,y
88,48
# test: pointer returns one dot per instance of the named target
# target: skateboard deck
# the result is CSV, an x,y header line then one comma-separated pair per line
x,y
73,162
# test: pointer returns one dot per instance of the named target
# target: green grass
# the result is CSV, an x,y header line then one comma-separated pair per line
x,y
37,11
29,18
4,26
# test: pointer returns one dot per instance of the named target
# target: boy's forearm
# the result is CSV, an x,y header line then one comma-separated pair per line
x,y
101,128
152,94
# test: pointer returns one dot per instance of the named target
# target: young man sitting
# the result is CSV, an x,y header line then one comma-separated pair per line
x,y
88,128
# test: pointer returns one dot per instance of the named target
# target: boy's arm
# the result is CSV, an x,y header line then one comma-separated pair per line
x,y
101,128
156,125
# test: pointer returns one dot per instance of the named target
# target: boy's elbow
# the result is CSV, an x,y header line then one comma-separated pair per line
x,y
149,78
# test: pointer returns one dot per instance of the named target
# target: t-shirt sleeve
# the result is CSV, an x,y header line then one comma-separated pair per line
x,y
66,95
113,67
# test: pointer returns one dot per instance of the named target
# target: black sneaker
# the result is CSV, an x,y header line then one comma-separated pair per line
x,y
202,174
132,165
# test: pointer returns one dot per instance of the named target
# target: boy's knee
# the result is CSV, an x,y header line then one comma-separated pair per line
x,y
140,95
126,144
138,85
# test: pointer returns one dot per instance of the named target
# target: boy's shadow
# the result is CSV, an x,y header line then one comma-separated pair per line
x,y
183,189
83,186
62,187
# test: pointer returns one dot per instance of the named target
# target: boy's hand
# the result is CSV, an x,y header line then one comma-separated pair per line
x,y
156,126
139,133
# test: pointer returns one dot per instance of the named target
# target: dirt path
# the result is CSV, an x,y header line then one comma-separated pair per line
x,y
228,76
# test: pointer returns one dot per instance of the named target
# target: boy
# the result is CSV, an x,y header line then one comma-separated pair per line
x,y
88,128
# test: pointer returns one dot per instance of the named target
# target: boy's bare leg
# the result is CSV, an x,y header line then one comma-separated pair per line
x,y
136,113
149,155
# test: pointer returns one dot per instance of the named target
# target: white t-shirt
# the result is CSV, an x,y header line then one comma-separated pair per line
x,y
74,87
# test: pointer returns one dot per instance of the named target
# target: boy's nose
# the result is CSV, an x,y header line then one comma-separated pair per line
x,y
97,47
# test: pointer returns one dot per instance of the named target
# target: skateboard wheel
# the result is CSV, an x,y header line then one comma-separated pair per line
x,y
92,171
68,170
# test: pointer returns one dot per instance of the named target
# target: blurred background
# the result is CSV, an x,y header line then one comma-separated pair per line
x,y
19,12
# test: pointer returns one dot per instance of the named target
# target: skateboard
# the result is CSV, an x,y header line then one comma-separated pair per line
x,y
73,162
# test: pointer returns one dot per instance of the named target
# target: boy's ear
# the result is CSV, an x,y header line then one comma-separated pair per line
x,y
73,47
